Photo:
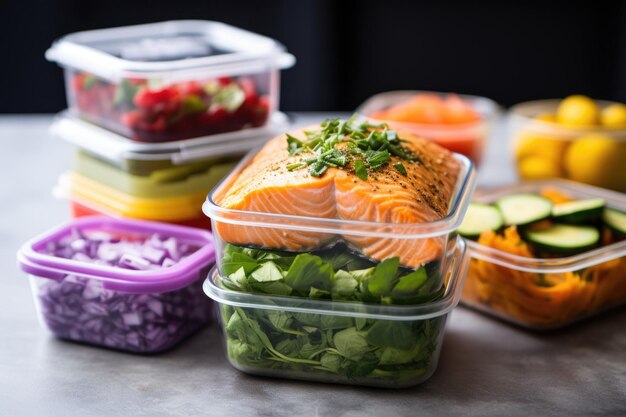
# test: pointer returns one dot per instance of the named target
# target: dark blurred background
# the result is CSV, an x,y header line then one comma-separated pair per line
x,y
510,51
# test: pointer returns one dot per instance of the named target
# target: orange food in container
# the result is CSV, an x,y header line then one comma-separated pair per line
x,y
460,123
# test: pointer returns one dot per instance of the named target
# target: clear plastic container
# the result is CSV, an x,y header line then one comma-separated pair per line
x,y
173,80
89,197
162,159
546,293
140,311
389,346
468,139
310,234
193,178
593,155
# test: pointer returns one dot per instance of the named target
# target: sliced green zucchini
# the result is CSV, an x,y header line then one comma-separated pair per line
x,y
564,238
581,211
480,217
523,209
615,220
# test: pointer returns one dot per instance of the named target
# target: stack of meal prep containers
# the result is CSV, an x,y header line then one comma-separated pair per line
x,y
159,113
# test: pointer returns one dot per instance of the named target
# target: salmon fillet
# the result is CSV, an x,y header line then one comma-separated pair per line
x,y
387,196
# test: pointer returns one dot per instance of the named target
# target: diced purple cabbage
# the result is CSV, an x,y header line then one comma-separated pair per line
x,y
103,248
80,309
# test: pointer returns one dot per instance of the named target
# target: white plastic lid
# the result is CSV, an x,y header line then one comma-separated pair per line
x,y
117,149
176,49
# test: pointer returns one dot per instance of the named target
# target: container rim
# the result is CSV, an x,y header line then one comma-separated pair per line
x,y
489,109
464,188
455,275
106,199
550,265
117,148
32,261
526,111
259,53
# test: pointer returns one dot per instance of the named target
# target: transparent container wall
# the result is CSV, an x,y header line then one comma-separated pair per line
x,y
469,139
175,106
80,309
345,349
547,293
341,244
339,252
547,150
82,209
185,179
545,301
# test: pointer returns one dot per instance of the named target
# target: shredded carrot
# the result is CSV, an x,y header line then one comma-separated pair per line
x,y
541,300
555,195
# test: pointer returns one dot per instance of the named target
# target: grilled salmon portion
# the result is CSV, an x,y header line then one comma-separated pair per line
x,y
386,196
267,186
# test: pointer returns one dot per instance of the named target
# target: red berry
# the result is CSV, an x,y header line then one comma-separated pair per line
x,y
260,112
152,98
190,88
224,80
248,86
77,81
131,119
158,125
218,115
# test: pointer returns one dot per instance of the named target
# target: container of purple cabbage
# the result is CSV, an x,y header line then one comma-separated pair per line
x,y
127,284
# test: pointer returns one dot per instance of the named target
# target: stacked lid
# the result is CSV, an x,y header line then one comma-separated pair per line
x,y
159,113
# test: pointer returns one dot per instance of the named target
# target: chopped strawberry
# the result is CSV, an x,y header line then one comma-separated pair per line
x,y
190,88
248,87
217,116
158,125
131,119
77,81
260,112
223,81
152,98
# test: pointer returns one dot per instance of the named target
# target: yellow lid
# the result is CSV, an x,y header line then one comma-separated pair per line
x,y
94,193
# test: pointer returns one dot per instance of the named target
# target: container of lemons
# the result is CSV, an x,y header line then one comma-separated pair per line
x,y
576,138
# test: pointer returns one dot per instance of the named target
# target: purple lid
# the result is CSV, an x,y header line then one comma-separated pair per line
x,y
33,261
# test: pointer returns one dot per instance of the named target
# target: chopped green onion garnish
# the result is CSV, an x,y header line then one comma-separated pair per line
x,y
374,147
360,170
295,166
400,168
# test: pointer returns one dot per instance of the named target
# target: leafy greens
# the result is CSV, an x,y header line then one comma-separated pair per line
x,y
369,146
322,346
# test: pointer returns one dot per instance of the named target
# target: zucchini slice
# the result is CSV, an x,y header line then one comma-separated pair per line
x,y
615,220
564,238
478,218
581,211
523,209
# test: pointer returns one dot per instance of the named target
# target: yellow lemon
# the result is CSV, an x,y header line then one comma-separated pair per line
x,y
598,160
546,117
614,116
536,167
577,111
530,144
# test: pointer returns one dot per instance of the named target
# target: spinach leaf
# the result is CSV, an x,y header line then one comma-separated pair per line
x,y
409,284
350,348
351,343
308,271
387,333
344,285
267,273
384,277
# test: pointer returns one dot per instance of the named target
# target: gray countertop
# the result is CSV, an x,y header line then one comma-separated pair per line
x,y
486,368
